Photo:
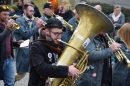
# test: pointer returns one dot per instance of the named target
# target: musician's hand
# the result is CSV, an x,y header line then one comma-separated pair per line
x,y
115,46
73,71
10,24
20,41
40,23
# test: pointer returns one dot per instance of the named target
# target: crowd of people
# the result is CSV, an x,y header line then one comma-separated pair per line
x,y
40,56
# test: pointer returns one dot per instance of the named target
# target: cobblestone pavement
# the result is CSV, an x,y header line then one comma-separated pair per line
x,y
23,82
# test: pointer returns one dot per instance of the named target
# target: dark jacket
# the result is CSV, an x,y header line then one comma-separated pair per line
x,y
4,33
41,67
44,17
121,74
66,16
20,9
1,2
69,32
37,13
14,13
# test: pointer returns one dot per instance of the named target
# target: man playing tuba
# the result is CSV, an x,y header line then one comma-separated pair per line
x,y
44,55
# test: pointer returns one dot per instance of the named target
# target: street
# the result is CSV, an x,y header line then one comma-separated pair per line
x,y
23,82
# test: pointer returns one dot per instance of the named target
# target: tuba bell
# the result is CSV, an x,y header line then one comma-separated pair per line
x,y
91,23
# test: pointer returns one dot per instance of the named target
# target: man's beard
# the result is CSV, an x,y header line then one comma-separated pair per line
x,y
29,16
3,20
57,42
54,40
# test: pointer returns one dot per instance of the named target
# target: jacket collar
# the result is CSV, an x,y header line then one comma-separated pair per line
x,y
27,19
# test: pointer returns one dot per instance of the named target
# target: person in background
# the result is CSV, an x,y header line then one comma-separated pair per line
x,y
48,11
1,2
64,10
7,64
125,29
20,6
98,7
28,30
121,73
117,18
14,10
44,56
74,22
37,12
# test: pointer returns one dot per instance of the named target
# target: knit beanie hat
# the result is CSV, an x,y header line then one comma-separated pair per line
x,y
54,23
14,7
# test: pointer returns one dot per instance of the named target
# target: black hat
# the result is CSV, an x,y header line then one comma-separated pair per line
x,y
4,8
54,23
48,5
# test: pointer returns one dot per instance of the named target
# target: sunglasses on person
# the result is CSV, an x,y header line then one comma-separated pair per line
x,y
5,7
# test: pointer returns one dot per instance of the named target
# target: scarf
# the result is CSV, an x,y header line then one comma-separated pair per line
x,y
103,40
48,42
61,10
28,19
30,24
115,18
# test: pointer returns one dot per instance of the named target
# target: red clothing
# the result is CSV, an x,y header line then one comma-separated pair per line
x,y
8,43
8,46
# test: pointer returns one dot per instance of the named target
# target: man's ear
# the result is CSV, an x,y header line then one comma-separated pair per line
x,y
24,11
47,31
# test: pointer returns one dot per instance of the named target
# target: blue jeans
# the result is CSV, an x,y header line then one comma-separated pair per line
x,y
9,72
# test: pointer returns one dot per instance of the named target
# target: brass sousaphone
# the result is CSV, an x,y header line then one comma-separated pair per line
x,y
91,23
